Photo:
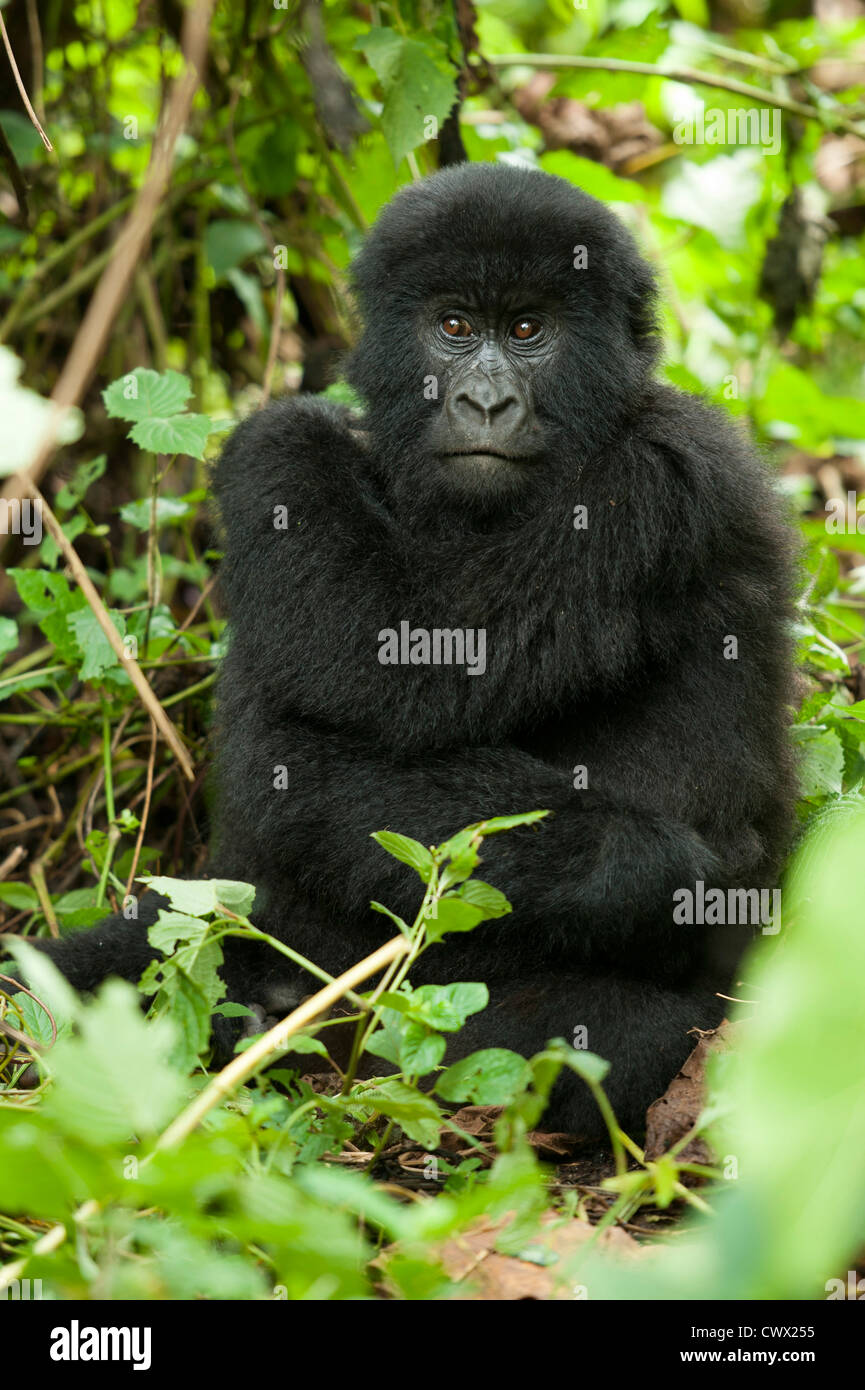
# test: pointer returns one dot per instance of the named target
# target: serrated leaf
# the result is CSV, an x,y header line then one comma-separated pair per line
x,y
144,394
113,1079
493,1076
418,82
199,897
416,1114
171,927
98,655
173,434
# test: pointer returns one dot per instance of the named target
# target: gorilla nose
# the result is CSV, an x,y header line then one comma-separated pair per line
x,y
484,403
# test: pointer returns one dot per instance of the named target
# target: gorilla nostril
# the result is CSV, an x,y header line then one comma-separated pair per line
x,y
487,405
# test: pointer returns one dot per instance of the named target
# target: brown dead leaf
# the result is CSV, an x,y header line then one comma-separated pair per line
x,y
677,1111
536,1273
611,135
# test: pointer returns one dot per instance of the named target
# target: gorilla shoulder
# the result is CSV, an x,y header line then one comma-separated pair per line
x,y
303,442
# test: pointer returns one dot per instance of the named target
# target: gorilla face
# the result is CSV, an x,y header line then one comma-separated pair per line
x,y
508,328
488,429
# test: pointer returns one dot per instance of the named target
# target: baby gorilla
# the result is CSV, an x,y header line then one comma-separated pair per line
x,y
529,577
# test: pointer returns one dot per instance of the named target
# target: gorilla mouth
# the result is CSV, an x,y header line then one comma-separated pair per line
x,y
485,454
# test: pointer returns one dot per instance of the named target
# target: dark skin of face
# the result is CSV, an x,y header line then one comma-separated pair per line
x,y
486,360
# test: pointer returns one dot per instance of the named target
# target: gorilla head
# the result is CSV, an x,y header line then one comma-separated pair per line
x,y
509,324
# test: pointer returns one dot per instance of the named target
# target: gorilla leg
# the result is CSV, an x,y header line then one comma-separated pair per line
x,y
640,1028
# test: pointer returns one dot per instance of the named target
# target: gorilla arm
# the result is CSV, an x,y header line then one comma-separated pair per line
x,y
684,754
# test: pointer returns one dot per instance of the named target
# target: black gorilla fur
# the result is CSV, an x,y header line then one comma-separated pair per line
x,y
605,648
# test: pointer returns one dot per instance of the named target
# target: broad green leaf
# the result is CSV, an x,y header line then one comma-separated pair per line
x,y
452,914
493,1076
821,760
144,394
491,902
21,896
416,1114
448,1006
175,434
172,927
407,851
229,242
97,652
418,82
112,1080
200,897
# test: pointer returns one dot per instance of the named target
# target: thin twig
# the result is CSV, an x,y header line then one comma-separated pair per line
x,y
24,97
693,76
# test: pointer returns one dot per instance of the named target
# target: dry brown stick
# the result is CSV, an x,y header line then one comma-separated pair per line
x,y
20,85
12,860
243,1066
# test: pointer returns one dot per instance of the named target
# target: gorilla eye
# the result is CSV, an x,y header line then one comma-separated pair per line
x,y
456,327
524,329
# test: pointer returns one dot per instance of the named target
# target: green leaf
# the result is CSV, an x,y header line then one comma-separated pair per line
x,y
98,654
418,81
31,1017
200,897
420,1050
21,896
491,902
168,509
113,1080
175,434
8,635
417,1115
592,177
407,851
42,976
144,394
49,597
171,927
821,762
493,1076
452,914
587,1065
446,1007
229,242
498,823
398,921
85,474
